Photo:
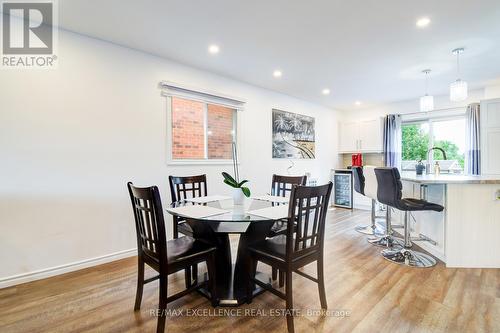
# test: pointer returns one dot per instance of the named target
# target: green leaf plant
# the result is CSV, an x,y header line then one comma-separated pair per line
x,y
235,182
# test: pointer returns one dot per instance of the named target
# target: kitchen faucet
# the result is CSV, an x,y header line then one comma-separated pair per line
x,y
428,165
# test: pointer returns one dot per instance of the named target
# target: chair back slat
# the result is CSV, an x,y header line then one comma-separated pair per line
x,y
182,188
306,225
299,231
306,219
317,217
282,185
149,222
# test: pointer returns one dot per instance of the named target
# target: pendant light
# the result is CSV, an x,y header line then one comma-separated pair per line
x,y
458,89
426,101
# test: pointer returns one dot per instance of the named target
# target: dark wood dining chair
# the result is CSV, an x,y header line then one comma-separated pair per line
x,y
182,188
281,186
302,245
165,257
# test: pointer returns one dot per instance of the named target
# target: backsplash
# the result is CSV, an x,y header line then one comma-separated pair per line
x,y
375,159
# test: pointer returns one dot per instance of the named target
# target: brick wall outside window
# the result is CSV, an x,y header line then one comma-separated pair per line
x,y
220,135
188,130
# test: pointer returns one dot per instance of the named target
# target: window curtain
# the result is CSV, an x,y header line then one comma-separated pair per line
x,y
392,140
472,140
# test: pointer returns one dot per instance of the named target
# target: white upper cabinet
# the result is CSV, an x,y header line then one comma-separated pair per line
x,y
371,135
348,136
490,136
361,136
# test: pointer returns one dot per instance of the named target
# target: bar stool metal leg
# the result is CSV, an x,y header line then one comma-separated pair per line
x,y
387,240
373,228
406,256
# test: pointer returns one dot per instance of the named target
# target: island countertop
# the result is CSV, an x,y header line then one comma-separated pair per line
x,y
411,176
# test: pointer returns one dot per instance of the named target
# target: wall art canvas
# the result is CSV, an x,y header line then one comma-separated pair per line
x,y
293,135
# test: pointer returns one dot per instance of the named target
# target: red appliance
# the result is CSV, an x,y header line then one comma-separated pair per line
x,y
357,160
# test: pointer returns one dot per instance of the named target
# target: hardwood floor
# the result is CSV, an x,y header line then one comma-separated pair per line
x,y
375,294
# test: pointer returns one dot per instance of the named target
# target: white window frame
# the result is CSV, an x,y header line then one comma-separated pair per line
x,y
430,121
170,90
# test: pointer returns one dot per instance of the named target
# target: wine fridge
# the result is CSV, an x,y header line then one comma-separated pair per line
x,y
342,185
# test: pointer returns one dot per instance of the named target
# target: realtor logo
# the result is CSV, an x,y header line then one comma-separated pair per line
x,y
28,34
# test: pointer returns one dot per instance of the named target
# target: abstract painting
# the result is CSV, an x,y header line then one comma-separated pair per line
x,y
293,135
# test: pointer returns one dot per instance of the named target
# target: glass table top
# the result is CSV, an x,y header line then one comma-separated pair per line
x,y
231,212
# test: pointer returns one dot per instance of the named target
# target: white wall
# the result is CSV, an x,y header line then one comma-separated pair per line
x,y
492,91
71,138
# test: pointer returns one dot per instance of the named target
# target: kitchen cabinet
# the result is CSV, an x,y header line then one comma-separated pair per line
x,y
363,136
466,233
370,135
490,136
348,137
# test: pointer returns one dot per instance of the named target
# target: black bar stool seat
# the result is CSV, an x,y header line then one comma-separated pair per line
x,y
411,204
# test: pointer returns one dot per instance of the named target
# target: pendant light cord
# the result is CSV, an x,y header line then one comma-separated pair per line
x,y
426,83
426,72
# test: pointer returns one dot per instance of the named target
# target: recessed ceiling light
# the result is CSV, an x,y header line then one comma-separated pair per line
x,y
213,49
325,91
423,22
277,73
358,103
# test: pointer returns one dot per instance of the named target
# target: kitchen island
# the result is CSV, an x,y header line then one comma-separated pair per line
x,y
467,232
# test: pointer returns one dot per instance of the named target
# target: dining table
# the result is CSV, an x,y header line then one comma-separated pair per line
x,y
215,221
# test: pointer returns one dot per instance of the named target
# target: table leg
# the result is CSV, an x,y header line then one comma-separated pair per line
x,y
231,278
257,231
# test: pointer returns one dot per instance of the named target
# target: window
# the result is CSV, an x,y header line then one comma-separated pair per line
x,y
450,135
201,130
415,143
446,133
201,125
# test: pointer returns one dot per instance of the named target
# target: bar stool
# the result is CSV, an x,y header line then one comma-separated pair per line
x,y
371,188
390,193
360,187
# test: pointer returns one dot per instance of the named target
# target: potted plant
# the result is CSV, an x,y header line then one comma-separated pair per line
x,y
239,191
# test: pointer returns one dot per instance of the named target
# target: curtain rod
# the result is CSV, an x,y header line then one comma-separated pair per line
x,y
176,87
436,110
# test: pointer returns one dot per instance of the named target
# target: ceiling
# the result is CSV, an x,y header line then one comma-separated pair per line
x,y
366,50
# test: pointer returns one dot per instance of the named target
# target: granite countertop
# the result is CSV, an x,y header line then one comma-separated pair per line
x,y
411,176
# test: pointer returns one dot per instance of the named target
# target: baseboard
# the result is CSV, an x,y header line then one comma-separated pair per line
x,y
431,249
424,245
53,271
362,207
